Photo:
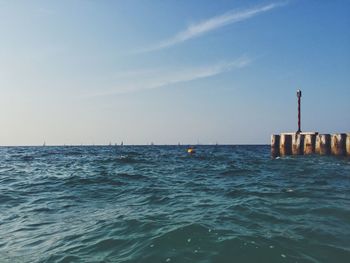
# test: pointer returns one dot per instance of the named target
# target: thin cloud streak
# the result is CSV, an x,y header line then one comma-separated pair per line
x,y
212,24
158,79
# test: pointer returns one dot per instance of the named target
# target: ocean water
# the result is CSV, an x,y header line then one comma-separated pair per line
x,y
160,204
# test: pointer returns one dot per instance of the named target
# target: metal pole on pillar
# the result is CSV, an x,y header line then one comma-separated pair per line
x,y
299,96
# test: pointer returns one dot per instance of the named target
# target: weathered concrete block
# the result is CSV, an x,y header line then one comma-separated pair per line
x,y
309,143
275,145
323,144
285,144
297,144
338,144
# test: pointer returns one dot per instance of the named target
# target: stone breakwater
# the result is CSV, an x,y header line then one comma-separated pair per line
x,y
305,143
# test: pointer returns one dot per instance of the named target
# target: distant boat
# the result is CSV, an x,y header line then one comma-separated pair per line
x,y
122,144
44,144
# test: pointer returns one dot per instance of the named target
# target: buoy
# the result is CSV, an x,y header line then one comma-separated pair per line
x,y
191,150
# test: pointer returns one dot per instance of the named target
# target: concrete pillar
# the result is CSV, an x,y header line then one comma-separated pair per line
x,y
309,143
348,144
285,144
297,144
323,144
338,146
275,145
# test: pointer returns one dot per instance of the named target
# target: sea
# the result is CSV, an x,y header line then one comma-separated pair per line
x,y
224,203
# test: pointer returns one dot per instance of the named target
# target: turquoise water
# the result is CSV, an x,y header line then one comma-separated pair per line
x,y
159,204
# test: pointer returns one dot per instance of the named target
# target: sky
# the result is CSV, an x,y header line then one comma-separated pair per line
x,y
169,72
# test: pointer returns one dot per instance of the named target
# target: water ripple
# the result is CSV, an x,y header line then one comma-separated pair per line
x,y
159,204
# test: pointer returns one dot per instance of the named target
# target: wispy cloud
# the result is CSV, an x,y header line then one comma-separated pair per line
x,y
212,24
151,79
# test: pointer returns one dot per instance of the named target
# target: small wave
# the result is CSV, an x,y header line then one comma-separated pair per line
x,y
27,158
106,245
131,176
62,258
236,172
12,199
92,180
179,235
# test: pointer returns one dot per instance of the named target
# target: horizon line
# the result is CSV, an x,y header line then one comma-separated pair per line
x,y
127,145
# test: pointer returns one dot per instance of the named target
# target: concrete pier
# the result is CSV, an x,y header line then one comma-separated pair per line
x,y
297,144
275,145
305,143
309,142
323,144
338,146
285,144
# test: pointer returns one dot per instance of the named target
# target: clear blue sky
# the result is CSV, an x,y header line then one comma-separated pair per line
x,y
189,71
